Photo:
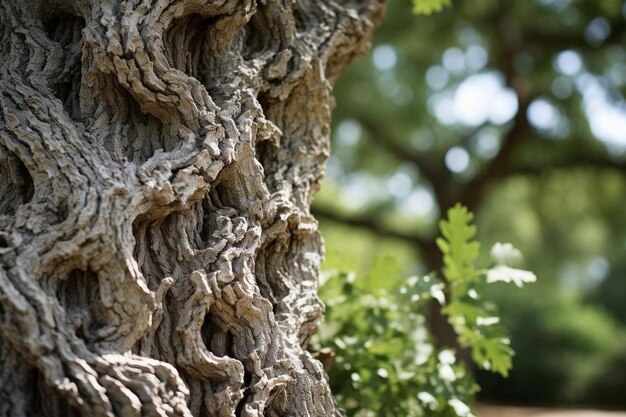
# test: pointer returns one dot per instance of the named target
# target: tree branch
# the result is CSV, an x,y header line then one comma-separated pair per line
x,y
371,223
428,166
578,161
576,40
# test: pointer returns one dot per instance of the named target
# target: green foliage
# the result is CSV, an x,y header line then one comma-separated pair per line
x,y
386,363
429,6
475,321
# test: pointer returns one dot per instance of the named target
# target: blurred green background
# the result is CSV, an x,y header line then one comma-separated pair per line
x,y
516,109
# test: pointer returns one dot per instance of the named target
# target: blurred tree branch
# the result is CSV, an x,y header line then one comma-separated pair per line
x,y
430,167
576,40
368,222
576,161
471,193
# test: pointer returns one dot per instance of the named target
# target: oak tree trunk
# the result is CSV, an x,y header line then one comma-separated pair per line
x,y
157,162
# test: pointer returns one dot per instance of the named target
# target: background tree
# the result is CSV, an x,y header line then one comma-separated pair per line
x,y
157,162
516,109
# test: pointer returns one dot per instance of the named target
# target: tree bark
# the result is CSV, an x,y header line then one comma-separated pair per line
x,y
157,163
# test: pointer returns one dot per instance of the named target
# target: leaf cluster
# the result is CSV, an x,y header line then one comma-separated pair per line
x,y
386,363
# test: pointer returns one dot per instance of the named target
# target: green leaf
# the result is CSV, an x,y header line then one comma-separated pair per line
x,y
429,6
459,251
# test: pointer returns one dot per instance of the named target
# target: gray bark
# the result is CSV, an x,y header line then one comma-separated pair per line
x,y
157,163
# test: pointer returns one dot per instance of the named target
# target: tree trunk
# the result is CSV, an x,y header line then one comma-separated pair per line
x,y
157,162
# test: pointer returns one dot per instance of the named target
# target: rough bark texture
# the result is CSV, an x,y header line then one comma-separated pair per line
x,y
157,162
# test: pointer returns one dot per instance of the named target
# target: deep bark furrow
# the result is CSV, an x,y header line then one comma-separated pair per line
x,y
158,160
